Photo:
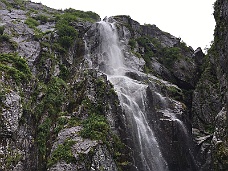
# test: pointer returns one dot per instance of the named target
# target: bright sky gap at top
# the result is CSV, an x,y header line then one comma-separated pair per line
x,y
192,21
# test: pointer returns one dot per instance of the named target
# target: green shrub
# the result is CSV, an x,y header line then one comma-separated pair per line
x,y
132,43
86,16
15,67
66,30
4,38
42,136
8,5
51,105
146,43
58,47
64,72
65,41
184,46
170,55
43,18
95,127
67,33
32,23
62,152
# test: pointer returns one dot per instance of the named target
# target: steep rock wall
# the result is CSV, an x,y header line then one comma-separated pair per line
x,y
59,111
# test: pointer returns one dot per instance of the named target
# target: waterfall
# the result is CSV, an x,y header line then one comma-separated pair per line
x,y
132,96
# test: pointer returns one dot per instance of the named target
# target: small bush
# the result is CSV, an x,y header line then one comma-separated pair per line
x,y
4,38
66,30
170,55
95,127
43,18
32,23
132,43
67,34
86,16
15,67
62,152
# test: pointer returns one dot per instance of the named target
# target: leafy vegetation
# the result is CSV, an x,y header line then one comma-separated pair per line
x,y
15,67
14,4
42,18
170,55
50,108
165,55
3,37
95,128
12,159
67,35
62,152
77,14
65,27
132,43
6,38
149,51
32,23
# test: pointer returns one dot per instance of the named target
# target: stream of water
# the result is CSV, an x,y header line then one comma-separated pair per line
x,y
132,96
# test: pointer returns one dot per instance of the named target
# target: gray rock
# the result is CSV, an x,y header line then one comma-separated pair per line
x,y
12,111
47,27
102,160
60,166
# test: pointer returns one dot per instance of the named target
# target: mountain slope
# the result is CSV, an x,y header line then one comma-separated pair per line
x,y
61,111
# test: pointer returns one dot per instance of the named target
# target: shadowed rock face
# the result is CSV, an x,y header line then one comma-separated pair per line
x,y
120,96
209,104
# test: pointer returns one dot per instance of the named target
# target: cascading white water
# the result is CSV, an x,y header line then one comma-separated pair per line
x,y
132,96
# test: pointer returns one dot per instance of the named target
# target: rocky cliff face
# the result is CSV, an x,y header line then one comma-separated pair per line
x,y
58,110
210,98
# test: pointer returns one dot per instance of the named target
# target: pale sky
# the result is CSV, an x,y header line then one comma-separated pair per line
x,y
191,20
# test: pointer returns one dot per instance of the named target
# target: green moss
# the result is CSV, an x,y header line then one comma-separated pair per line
x,y
15,67
58,48
67,33
209,128
64,26
62,152
209,77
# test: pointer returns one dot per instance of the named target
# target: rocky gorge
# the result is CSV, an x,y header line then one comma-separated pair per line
x,y
81,94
